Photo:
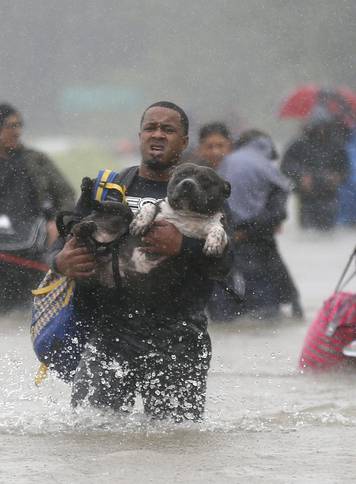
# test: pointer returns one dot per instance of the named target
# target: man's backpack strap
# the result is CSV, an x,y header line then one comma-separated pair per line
x,y
108,185
126,176
105,182
108,182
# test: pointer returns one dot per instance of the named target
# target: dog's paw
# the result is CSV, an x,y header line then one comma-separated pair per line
x,y
143,219
84,229
215,243
137,227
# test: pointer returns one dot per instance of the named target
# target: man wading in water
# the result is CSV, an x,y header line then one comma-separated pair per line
x,y
151,335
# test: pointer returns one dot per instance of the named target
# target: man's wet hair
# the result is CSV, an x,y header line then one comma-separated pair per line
x,y
214,128
7,110
169,105
258,139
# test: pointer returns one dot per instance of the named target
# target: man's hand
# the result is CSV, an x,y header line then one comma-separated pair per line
x,y
52,232
306,183
75,261
334,180
240,235
163,239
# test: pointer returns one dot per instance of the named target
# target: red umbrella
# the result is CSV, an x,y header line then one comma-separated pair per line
x,y
301,102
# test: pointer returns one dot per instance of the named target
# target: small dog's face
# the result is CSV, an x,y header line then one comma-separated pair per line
x,y
107,223
197,189
102,232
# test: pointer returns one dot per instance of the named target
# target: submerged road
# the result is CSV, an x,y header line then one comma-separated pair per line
x,y
264,422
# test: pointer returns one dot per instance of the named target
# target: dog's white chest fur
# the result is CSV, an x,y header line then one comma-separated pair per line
x,y
195,225
190,224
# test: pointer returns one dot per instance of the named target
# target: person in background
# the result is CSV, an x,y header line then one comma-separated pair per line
x,y
214,143
258,208
31,185
347,191
318,165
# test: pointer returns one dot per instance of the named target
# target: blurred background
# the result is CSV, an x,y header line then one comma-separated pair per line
x,y
82,71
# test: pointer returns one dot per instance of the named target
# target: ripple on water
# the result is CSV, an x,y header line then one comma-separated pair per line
x,y
253,394
27,409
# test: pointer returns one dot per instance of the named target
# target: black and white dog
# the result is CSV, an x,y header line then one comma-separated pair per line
x,y
103,232
194,204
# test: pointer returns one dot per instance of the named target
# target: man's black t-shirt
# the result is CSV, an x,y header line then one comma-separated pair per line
x,y
142,191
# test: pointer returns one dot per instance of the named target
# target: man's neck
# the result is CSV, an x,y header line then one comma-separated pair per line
x,y
6,153
154,175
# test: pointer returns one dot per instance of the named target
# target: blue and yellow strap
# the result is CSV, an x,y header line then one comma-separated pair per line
x,y
41,374
105,182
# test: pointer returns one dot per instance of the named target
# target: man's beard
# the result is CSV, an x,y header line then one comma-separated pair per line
x,y
156,165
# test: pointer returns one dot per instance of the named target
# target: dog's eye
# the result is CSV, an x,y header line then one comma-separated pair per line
x,y
205,182
180,177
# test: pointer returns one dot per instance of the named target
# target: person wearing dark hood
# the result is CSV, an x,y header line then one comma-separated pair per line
x,y
150,336
318,164
258,206
31,185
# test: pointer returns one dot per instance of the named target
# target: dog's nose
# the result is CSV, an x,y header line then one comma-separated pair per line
x,y
186,185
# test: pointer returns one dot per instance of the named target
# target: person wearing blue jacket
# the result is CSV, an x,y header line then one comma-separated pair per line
x,y
258,208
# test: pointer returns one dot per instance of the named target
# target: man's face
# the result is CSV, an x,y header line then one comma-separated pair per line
x,y
10,132
162,138
213,149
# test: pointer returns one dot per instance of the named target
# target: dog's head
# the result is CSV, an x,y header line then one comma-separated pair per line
x,y
197,189
108,223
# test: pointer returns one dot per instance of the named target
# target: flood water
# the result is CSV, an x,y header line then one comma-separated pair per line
x,y
264,421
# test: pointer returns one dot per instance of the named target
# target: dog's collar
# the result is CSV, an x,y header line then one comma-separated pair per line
x,y
105,248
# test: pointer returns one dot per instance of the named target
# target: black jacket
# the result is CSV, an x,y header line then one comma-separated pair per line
x,y
31,185
319,160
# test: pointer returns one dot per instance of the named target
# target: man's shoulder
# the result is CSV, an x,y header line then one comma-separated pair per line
x,y
127,175
297,146
127,170
35,157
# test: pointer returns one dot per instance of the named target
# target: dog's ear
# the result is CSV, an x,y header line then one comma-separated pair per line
x,y
87,192
116,208
65,221
227,189
87,185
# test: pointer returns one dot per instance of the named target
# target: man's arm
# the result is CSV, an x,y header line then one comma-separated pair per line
x,y
67,257
165,239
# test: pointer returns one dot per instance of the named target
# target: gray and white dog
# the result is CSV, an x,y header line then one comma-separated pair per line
x,y
194,204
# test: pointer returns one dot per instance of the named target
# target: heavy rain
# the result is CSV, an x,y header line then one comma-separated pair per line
x,y
204,337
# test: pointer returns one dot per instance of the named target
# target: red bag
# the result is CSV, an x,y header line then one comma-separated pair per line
x,y
332,329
